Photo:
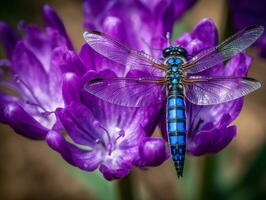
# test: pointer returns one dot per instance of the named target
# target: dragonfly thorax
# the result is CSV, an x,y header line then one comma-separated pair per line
x,y
174,72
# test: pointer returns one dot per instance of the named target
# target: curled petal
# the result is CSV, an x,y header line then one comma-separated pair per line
x,y
211,117
65,60
52,20
80,124
84,159
5,100
71,88
211,141
23,123
112,25
58,143
206,32
203,36
152,152
111,174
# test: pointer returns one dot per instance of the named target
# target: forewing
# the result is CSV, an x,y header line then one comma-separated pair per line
x,y
227,49
129,92
215,90
115,51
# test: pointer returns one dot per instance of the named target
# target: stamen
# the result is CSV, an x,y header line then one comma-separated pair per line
x,y
121,133
19,80
109,143
45,114
168,38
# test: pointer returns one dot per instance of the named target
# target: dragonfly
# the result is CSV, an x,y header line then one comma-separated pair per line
x,y
179,81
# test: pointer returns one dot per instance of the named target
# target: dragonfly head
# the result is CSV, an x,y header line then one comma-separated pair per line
x,y
174,51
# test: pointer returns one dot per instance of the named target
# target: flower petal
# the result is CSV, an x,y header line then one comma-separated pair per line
x,y
64,60
42,42
152,152
93,10
80,124
211,117
197,40
71,88
28,69
94,61
111,174
86,160
52,20
8,38
206,32
211,141
238,66
23,123
39,42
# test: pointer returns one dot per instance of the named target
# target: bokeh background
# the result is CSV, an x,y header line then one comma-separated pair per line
x,y
31,170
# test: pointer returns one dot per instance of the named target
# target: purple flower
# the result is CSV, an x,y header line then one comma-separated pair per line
x,y
103,135
208,126
134,21
140,24
36,64
245,13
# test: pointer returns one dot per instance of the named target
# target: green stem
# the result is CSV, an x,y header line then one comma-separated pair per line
x,y
126,191
207,185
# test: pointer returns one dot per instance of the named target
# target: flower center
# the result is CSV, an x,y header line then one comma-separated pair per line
x,y
110,143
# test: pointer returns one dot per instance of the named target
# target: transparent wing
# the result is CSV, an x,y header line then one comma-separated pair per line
x,y
227,49
130,92
115,51
215,90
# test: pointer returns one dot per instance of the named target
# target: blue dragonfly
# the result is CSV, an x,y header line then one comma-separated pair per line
x,y
180,81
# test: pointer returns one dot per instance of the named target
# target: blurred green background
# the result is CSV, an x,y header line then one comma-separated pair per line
x,y
31,170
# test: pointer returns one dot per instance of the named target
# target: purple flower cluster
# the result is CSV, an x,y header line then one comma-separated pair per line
x,y
36,64
43,94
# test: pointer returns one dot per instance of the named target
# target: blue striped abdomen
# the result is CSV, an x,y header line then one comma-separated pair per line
x,y
176,128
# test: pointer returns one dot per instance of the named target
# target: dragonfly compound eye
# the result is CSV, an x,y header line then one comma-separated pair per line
x,y
182,51
166,52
